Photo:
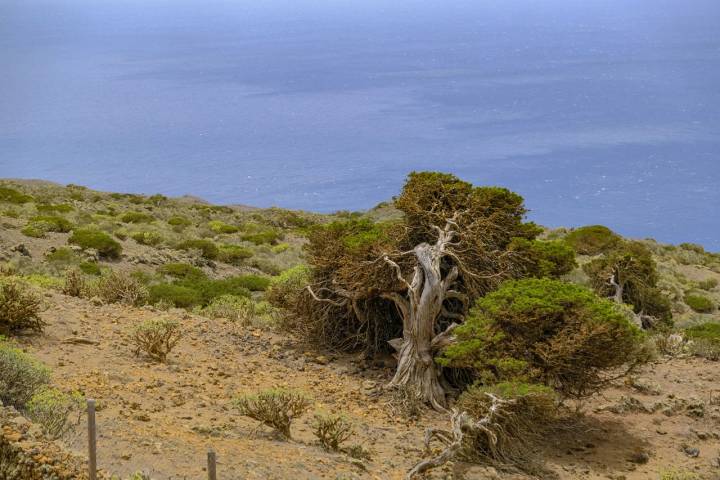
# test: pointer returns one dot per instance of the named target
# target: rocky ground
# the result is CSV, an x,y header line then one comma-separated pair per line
x,y
162,418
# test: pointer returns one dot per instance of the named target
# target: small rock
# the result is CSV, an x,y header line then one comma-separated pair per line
x,y
692,452
641,458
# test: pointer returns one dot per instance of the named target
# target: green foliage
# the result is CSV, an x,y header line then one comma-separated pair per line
x,y
266,236
234,254
699,303
705,340
136,217
20,308
51,223
242,310
62,256
151,239
98,240
331,430
207,248
10,195
33,231
176,295
285,289
543,258
50,208
218,226
593,240
275,408
179,221
52,410
545,331
631,266
182,271
709,284
156,338
90,268
22,376
675,474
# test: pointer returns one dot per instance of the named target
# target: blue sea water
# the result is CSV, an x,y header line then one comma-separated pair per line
x,y
600,111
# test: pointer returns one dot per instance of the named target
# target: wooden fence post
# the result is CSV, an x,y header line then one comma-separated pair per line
x,y
92,446
211,465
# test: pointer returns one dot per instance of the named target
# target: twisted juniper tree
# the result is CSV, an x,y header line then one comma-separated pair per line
x,y
409,282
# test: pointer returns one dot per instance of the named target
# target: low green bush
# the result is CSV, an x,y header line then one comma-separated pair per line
x,y
176,295
546,331
207,248
22,376
62,256
33,231
10,195
90,268
178,221
51,223
705,340
234,254
50,208
20,308
151,239
218,226
53,410
699,303
258,238
98,240
265,265
285,289
592,240
136,217
709,284
182,271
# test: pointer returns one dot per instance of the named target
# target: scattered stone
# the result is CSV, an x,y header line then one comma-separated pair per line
x,y
691,452
641,458
21,249
80,341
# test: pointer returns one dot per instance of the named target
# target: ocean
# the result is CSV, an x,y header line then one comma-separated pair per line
x,y
595,111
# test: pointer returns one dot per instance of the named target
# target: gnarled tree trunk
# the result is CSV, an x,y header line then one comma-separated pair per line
x,y
421,308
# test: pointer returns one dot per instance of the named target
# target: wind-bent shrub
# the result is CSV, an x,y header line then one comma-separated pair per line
x,y
98,240
207,248
53,410
593,239
22,376
548,332
275,408
331,430
20,308
628,273
120,287
156,338
529,410
699,303
543,258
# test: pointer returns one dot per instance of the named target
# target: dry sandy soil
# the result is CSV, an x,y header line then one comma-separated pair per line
x,y
161,418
